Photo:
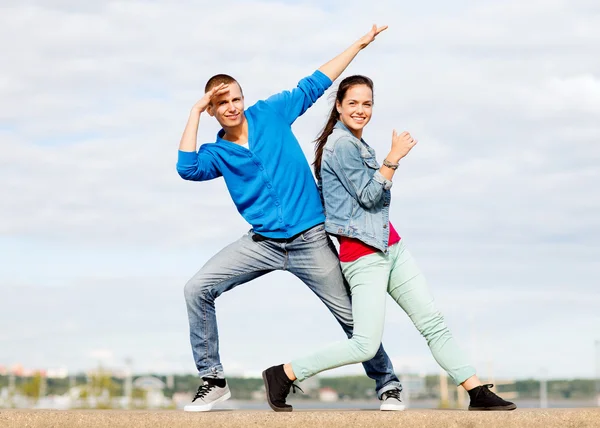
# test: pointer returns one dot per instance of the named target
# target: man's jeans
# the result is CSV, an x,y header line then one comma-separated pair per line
x,y
311,257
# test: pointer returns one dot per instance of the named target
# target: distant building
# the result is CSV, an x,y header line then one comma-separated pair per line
x,y
310,385
328,395
413,385
153,386
60,373
180,399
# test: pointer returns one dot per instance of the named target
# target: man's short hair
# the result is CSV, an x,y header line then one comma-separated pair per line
x,y
217,79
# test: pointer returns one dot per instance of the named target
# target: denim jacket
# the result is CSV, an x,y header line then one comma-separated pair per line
x,y
355,195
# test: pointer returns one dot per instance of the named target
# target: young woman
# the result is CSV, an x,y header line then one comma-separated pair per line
x,y
375,261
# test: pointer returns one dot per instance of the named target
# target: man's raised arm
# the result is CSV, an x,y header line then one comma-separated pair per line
x,y
292,104
192,165
334,68
190,134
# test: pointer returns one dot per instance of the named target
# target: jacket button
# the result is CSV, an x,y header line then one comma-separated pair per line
x,y
385,226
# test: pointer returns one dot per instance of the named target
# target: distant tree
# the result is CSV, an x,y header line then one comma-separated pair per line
x,y
31,387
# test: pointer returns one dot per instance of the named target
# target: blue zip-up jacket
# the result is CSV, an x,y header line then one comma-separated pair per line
x,y
270,183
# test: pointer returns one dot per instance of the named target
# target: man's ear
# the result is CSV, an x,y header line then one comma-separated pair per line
x,y
209,110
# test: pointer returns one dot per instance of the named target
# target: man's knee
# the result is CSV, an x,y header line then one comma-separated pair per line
x,y
196,288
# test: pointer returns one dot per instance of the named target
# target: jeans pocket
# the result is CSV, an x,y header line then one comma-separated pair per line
x,y
315,233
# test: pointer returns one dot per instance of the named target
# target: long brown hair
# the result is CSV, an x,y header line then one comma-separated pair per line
x,y
334,116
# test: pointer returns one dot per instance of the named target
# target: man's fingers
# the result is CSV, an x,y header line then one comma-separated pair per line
x,y
218,88
380,29
220,91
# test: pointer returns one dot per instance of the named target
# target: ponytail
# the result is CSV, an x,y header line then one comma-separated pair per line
x,y
322,140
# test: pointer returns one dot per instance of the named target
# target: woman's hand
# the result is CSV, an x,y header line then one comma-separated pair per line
x,y
401,145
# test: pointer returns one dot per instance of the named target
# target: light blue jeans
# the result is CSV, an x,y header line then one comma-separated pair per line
x,y
371,278
311,257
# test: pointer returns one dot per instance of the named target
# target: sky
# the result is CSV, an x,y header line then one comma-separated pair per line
x,y
99,234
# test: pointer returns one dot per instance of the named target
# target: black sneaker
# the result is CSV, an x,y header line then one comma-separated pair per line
x,y
278,385
484,399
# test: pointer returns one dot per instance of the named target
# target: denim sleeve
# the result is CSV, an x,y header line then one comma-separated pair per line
x,y
292,104
355,176
197,166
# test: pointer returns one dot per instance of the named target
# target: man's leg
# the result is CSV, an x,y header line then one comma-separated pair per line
x,y
313,259
236,264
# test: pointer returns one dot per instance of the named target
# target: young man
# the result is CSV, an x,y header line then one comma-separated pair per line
x,y
282,204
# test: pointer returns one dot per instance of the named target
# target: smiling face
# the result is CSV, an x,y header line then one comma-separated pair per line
x,y
356,108
228,108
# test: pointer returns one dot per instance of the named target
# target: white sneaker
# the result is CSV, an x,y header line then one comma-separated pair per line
x,y
207,396
391,401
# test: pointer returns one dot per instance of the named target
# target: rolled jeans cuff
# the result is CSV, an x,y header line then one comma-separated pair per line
x,y
215,372
389,387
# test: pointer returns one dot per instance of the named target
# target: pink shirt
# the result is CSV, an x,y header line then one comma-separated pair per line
x,y
352,249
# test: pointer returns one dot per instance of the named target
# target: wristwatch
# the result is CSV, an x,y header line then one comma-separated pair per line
x,y
390,165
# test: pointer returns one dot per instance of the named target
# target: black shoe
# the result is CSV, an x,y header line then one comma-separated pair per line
x,y
278,385
484,399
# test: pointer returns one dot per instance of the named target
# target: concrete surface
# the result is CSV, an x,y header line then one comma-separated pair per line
x,y
545,418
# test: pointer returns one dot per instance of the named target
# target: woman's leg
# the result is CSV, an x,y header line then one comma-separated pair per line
x,y
408,288
367,278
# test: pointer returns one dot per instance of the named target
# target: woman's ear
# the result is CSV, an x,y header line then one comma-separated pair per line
x,y
338,107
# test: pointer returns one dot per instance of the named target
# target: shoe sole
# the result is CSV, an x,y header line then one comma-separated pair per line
x,y
274,407
209,406
391,407
510,407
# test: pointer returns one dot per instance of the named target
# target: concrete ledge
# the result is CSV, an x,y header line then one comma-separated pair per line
x,y
301,419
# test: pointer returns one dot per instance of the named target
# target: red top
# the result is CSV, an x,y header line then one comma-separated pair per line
x,y
352,249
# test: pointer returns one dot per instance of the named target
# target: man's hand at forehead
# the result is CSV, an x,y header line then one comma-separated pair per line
x,y
209,96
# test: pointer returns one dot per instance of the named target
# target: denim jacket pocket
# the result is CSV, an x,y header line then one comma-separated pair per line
x,y
371,162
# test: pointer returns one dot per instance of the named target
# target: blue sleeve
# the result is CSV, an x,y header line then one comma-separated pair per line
x,y
292,104
199,166
355,176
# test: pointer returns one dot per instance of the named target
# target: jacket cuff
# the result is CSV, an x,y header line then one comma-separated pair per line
x,y
378,177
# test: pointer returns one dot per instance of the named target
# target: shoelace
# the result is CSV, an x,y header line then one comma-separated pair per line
x,y
285,390
485,389
203,390
393,393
